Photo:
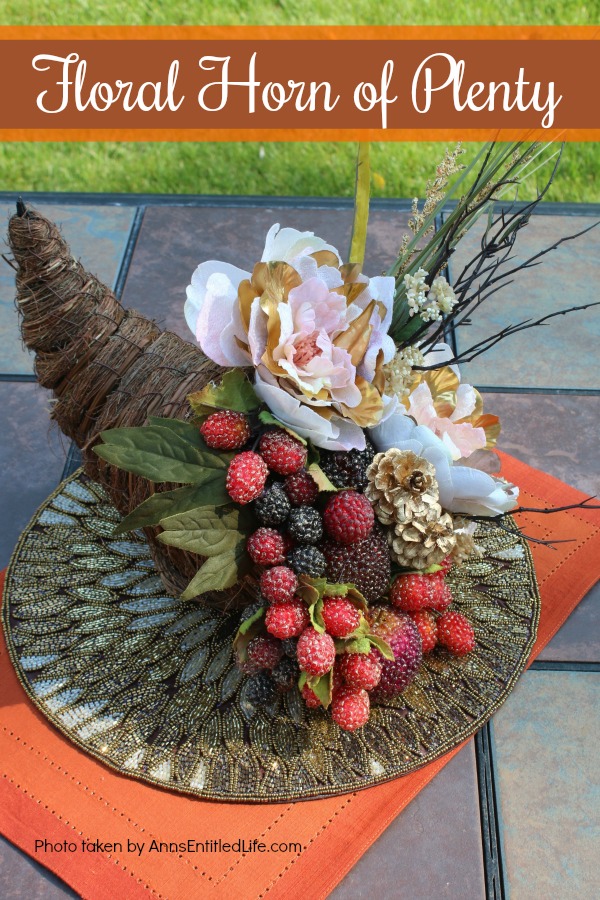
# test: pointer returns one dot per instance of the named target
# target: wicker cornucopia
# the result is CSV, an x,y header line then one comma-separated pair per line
x,y
107,367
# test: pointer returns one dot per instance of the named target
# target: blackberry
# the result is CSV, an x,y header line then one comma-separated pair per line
x,y
273,505
261,690
249,611
348,469
286,674
365,564
305,525
306,560
289,647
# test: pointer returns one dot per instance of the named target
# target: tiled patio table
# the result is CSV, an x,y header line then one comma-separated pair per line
x,y
516,812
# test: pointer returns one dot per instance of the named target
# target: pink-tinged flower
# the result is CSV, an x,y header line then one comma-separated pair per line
x,y
314,330
462,489
453,411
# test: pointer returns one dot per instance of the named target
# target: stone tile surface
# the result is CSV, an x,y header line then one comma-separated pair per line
x,y
559,435
173,241
22,877
431,850
97,235
33,454
562,353
546,750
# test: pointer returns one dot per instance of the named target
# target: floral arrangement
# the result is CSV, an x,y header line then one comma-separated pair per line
x,y
339,468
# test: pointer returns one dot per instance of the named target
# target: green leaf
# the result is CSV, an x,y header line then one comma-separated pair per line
x,y
383,647
267,419
322,687
185,430
160,455
302,680
218,572
172,503
358,645
234,392
315,611
336,590
248,630
206,530
313,455
247,623
321,478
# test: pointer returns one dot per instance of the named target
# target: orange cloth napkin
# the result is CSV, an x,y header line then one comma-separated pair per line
x,y
52,791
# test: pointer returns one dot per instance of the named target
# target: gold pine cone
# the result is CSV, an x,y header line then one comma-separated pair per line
x,y
427,540
401,486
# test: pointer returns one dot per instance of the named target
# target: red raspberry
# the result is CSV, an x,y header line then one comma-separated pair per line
x,y
265,547
278,585
287,620
246,477
426,622
350,708
441,595
340,616
361,670
446,565
310,698
281,452
412,592
316,652
455,632
348,517
226,430
301,488
264,651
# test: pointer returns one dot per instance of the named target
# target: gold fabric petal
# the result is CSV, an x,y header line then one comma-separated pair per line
x,y
369,410
355,339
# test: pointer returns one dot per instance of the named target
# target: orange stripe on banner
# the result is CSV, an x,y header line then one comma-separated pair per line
x,y
51,788
300,32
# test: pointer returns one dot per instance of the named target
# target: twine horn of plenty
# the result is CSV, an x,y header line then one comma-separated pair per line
x,y
107,367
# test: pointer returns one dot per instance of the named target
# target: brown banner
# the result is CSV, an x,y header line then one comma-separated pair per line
x,y
323,85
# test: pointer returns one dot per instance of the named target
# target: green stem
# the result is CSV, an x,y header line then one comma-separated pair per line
x,y
361,205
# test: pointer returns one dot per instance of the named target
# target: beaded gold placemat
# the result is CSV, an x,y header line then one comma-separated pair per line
x,y
147,683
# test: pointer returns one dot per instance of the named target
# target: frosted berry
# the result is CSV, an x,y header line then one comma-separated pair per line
x,y
426,622
455,632
306,560
348,517
278,585
301,488
402,635
412,592
446,565
226,430
361,670
264,651
350,708
340,616
305,525
365,564
441,595
285,674
261,690
348,469
265,547
273,506
282,452
246,477
287,620
316,652
310,698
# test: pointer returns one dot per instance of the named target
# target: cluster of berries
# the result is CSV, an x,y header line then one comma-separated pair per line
x,y
426,599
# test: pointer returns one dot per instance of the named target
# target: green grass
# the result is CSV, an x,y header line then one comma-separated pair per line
x,y
316,169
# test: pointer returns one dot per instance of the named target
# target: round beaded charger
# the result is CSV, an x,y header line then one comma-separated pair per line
x,y
147,683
